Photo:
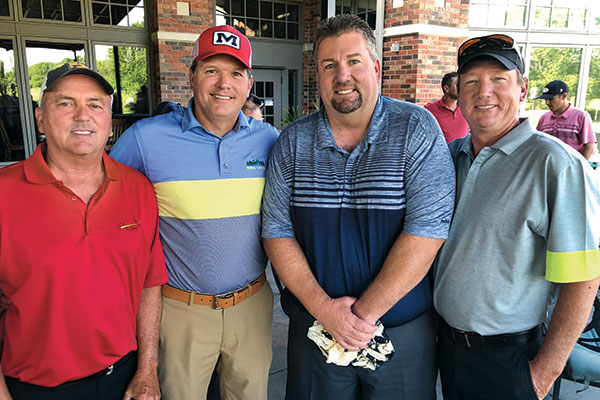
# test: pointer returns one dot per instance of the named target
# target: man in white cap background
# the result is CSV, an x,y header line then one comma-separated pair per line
x,y
82,273
571,125
207,165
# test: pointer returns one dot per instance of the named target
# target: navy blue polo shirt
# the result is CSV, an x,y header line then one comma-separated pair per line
x,y
346,210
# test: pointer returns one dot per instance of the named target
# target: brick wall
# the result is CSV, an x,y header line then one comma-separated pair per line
x,y
311,16
414,72
172,58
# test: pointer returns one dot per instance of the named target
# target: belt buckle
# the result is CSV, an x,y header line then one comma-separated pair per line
x,y
458,333
214,304
466,336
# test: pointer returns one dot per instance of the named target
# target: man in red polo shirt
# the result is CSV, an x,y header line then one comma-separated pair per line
x,y
447,112
81,263
571,125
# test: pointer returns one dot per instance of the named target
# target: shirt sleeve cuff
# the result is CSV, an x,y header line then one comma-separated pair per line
x,y
574,266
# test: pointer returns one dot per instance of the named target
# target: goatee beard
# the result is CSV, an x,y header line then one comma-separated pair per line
x,y
347,106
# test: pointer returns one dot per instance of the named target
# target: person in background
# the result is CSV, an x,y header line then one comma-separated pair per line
x,y
525,224
358,200
207,164
571,125
253,107
81,263
447,111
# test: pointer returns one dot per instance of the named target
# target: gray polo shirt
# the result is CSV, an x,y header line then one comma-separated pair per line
x,y
526,218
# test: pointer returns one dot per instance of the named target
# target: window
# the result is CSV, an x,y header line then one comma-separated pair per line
x,y
118,12
57,10
11,132
565,14
125,69
4,8
43,57
592,103
265,91
365,9
595,21
508,13
548,64
270,19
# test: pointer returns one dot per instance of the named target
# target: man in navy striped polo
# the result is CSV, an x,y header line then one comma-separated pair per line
x,y
358,200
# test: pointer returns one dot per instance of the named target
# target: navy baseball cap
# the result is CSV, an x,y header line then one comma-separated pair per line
x,y
552,89
498,46
72,68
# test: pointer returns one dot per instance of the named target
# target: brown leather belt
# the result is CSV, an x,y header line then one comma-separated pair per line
x,y
217,301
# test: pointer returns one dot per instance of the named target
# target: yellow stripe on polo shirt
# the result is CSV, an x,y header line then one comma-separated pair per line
x,y
574,266
209,199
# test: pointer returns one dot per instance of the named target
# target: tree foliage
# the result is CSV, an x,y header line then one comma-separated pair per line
x,y
551,63
8,81
132,67
132,72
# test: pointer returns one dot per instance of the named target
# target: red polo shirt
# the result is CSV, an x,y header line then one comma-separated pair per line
x,y
453,123
73,272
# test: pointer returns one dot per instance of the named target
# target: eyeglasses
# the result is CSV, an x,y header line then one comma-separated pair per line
x,y
260,103
496,42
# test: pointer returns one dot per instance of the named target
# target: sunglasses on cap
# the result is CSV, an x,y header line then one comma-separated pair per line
x,y
496,42
257,100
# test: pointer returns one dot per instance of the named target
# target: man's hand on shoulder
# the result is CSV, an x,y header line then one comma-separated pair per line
x,y
143,386
348,330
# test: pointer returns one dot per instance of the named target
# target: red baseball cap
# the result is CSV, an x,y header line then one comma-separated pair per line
x,y
223,39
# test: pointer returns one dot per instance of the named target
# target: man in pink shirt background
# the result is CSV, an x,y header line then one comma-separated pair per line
x,y
447,112
571,125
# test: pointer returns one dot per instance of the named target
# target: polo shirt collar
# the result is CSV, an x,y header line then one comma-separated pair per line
x,y
440,104
376,133
515,138
37,170
189,121
507,143
565,113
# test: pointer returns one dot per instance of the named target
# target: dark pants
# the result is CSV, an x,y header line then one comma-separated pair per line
x,y
100,386
410,374
486,373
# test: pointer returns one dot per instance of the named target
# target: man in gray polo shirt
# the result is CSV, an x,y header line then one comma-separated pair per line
x,y
526,220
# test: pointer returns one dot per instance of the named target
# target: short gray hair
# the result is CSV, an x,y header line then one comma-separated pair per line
x,y
344,23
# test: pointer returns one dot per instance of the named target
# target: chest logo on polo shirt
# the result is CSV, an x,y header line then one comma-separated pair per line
x,y
131,225
255,164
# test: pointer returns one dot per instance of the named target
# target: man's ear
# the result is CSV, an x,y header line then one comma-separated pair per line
x,y
39,118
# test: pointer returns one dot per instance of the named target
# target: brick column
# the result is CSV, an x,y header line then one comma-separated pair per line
x,y
427,37
311,17
173,38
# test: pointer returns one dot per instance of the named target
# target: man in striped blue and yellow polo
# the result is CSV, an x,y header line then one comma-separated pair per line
x,y
207,164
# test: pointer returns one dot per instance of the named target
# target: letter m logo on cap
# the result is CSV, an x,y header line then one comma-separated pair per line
x,y
226,39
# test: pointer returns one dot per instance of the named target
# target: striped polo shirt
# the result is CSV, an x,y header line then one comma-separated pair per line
x,y
574,127
526,218
209,191
347,209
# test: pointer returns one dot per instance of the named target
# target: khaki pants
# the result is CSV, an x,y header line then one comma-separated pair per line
x,y
192,338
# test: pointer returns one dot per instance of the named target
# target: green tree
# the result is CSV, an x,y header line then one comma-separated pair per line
x,y
132,72
8,81
38,71
551,63
593,88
